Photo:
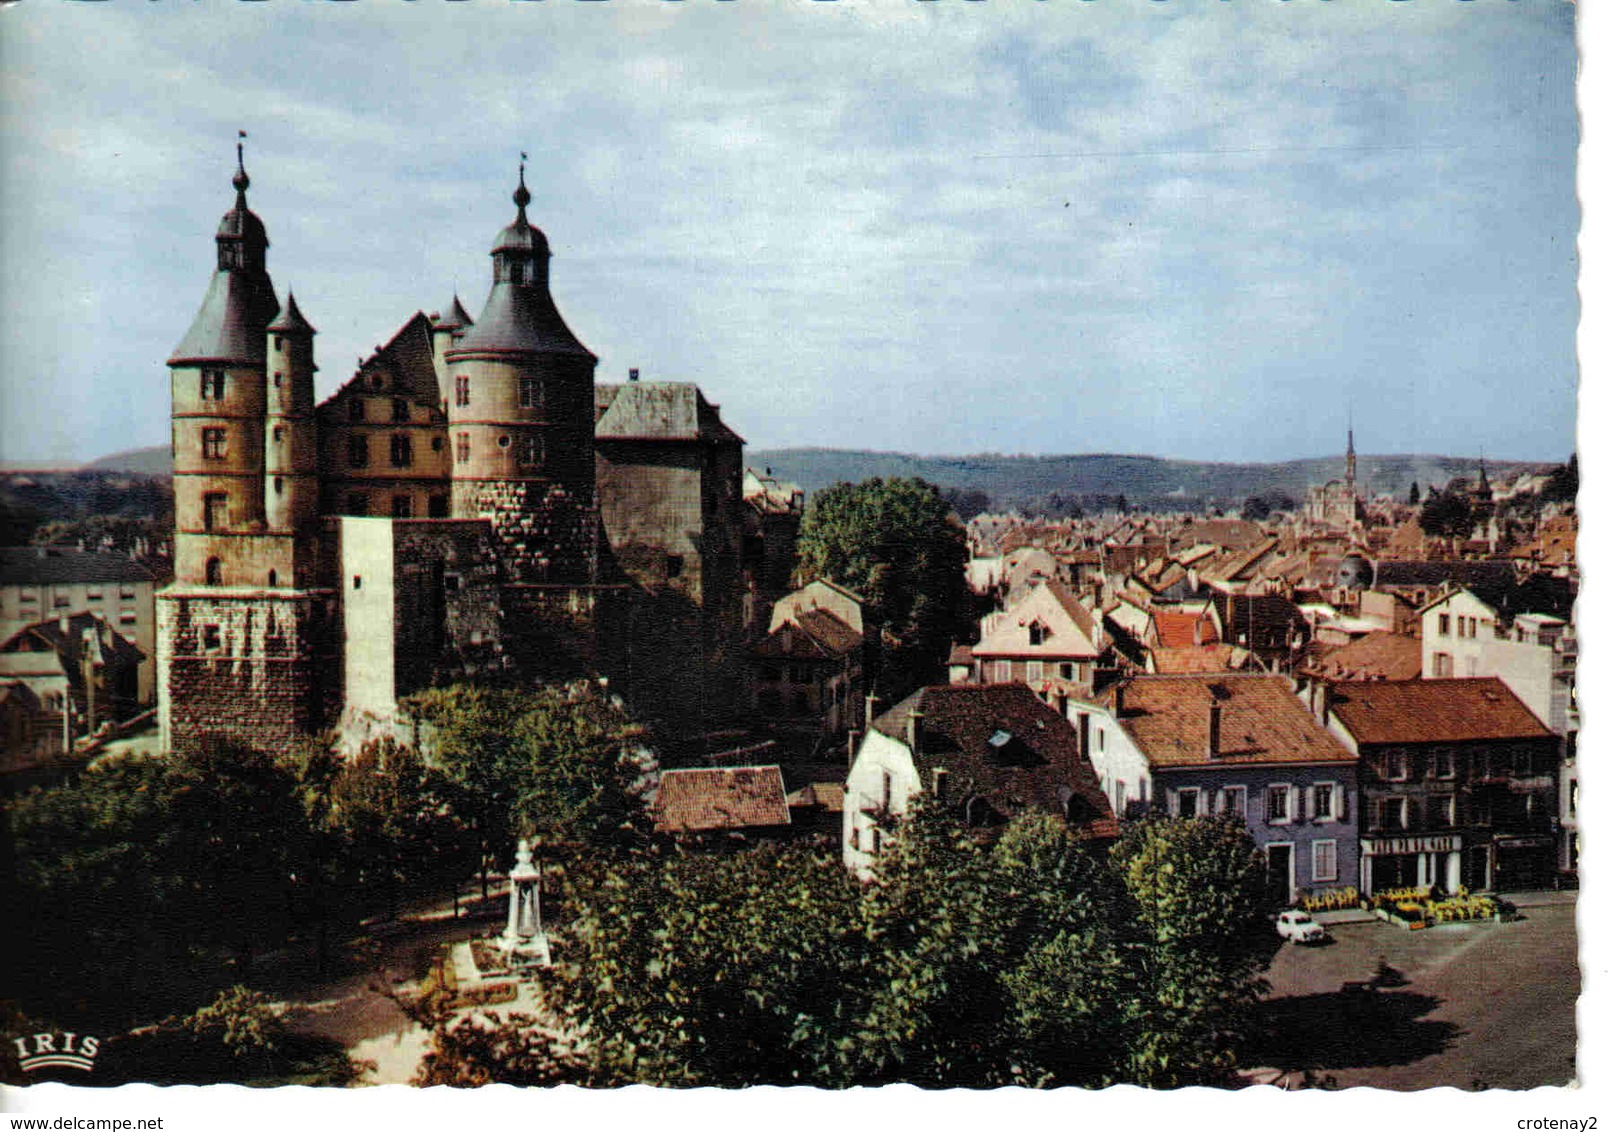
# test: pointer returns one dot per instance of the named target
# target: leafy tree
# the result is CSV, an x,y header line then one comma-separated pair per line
x,y
563,764
1259,507
895,544
242,1021
710,969
401,820
1200,898
1447,513
1033,960
1564,482
967,503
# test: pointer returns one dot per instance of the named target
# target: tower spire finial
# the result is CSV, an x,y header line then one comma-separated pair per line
x,y
241,181
522,194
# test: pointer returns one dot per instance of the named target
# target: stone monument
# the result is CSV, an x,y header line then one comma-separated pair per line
x,y
524,941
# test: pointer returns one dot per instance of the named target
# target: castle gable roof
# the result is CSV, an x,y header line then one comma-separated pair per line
x,y
659,410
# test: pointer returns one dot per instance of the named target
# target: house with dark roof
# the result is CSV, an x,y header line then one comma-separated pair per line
x,y
983,753
809,675
44,582
1269,626
1458,782
78,665
1197,745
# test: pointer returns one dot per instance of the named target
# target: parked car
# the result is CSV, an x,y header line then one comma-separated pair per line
x,y
1298,927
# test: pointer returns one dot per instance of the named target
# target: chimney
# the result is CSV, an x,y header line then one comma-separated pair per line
x,y
635,374
913,730
870,709
1117,697
1320,701
1214,730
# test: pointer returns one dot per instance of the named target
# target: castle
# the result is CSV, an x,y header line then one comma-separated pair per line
x,y
469,505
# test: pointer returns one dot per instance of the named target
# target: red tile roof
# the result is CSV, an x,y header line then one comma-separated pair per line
x,y
1178,630
720,798
1197,658
1262,722
1376,656
1433,711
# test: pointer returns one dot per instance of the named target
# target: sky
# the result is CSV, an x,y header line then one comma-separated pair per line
x,y
1203,229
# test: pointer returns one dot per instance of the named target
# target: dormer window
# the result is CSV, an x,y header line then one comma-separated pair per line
x,y
1037,633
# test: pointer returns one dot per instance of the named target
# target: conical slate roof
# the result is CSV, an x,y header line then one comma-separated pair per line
x,y
290,320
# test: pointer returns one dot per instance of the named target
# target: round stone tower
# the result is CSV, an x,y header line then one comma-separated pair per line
x,y
290,464
219,405
519,415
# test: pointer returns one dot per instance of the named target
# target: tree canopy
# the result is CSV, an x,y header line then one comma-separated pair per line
x,y
1034,960
895,543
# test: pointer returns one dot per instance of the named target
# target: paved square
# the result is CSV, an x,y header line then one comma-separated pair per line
x,y
1477,1004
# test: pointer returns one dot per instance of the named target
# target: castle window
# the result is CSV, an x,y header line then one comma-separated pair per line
x,y
279,344
530,393
214,443
438,507
461,387
401,450
357,503
279,434
504,441
357,581
357,451
214,510
273,578
463,448
354,409
672,565
211,638
279,485
451,583
530,451
401,507
399,411
214,571
212,385
435,443
279,379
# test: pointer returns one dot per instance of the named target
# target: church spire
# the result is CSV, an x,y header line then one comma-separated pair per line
x,y
1351,458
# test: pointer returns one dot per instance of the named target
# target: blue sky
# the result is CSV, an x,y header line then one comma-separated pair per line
x,y
1194,228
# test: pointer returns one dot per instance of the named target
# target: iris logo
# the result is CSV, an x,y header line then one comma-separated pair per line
x,y
68,1050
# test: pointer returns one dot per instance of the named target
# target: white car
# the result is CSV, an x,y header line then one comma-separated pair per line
x,y
1298,927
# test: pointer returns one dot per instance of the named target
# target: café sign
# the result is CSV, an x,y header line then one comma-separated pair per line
x,y
1390,846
